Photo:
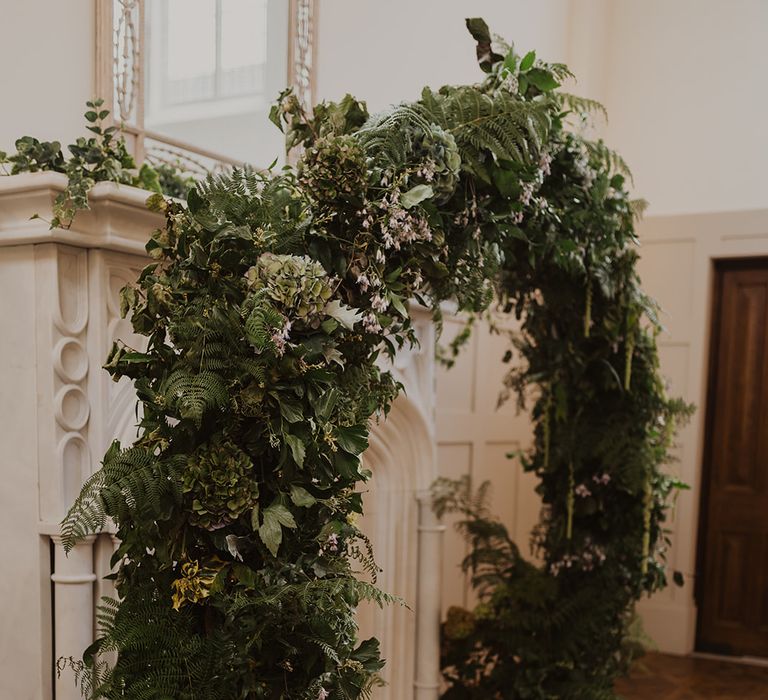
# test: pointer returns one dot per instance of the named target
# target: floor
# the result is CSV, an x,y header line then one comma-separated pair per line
x,y
662,677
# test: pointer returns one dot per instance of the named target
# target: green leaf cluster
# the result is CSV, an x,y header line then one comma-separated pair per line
x,y
102,157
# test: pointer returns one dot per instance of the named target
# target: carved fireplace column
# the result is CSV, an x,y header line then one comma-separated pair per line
x,y
60,311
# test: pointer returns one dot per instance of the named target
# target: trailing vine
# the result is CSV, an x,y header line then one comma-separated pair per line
x,y
266,309
102,157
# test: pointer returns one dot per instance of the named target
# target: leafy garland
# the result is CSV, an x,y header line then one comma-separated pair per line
x,y
102,157
270,300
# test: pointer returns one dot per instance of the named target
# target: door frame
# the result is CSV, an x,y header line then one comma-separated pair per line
x,y
677,267
718,267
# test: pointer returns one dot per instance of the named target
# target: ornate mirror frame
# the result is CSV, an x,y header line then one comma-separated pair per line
x,y
120,78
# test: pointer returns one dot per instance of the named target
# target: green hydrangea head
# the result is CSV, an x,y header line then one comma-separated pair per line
x,y
220,481
297,284
437,149
459,623
334,169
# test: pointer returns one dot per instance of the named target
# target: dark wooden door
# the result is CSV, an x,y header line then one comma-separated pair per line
x,y
733,581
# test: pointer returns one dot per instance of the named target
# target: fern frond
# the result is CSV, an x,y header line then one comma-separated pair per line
x,y
192,395
583,105
502,125
128,480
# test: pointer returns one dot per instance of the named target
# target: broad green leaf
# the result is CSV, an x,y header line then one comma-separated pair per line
x,y
353,439
527,61
301,497
275,517
507,182
347,465
415,195
397,303
298,450
271,532
329,325
510,62
283,515
542,79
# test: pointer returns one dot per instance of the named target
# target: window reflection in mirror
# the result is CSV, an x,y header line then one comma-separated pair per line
x,y
212,70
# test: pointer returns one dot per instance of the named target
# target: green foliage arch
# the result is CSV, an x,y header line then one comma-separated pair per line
x,y
269,302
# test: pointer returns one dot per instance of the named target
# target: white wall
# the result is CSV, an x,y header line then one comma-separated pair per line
x,y
46,68
684,81
686,90
384,52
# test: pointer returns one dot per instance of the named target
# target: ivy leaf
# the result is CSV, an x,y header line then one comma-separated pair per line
x,y
301,497
345,315
291,410
415,195
194,201
353,439
127,300
298,450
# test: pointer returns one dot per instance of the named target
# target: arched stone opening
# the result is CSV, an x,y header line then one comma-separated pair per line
x,y
405,536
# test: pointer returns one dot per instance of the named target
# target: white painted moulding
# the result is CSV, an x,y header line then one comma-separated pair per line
x,y
118,219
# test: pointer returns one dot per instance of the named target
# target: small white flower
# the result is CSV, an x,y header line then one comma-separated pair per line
x,y
323,694
380,303
280,337
371,324
582,491
526,192
511,83
380,256
545,163
363,282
